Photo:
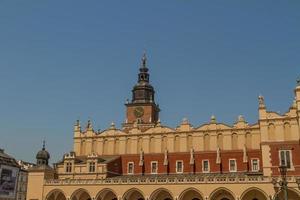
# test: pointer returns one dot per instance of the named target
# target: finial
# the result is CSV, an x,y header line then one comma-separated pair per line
x,y
245,156
166,161
112,126
77,127
158,123
218,159
144,60
89,125
241,118
298,81
44,144
185,121
192,157
261,101
213,119
294,105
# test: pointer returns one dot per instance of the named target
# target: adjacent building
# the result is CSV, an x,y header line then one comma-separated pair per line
x,y
9,171
146,160
22,179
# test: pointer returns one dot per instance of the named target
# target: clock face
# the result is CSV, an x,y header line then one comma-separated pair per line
x,y
139,111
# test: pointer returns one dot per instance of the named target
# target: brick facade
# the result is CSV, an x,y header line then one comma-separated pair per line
x,y
191,168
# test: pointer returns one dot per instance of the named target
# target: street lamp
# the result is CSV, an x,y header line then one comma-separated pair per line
x,y
298,182
282,184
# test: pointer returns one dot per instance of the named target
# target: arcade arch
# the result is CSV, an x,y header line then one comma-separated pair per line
x,y
80,194
190,194
133,194
254,194
222,194
106,194
56,194
292,195
161,194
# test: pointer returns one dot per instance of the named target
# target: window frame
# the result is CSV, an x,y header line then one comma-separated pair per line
x,y
208,166
69,166
92,165
291,158
258,162
130,163
232,159
153,162
182,167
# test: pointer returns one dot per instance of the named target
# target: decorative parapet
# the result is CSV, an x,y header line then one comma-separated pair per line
x,y
70,155
199,179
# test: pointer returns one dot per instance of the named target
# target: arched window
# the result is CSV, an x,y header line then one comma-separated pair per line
x,y
271,132
206,142
105,147
139,144
152,145
234,141
128,146
220,140
177,143
164,141
287,131
248,139
83,146
189,142
116,146
94,146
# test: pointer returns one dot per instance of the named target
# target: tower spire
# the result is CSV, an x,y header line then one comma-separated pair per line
x,y
142,108
144,60
44,144
143,75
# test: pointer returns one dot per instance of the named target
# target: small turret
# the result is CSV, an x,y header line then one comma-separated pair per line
x,y
261,107
38,174
77,127
42,157
261,101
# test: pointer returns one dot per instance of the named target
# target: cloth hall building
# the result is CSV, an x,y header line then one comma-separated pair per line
x,y
145,160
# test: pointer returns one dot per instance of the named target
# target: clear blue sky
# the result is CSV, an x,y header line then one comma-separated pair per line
x,y
64,60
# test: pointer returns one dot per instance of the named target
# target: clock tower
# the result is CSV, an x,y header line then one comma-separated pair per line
x,y
142,110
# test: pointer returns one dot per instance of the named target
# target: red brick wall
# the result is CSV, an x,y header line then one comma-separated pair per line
x,y
295,149
114,167
185,157
149,112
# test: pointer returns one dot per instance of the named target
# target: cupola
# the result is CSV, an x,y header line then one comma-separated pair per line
x,y
43,156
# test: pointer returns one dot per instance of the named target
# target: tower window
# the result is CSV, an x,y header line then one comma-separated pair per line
x,y
154,167
68,167
130,168
92,167
232,165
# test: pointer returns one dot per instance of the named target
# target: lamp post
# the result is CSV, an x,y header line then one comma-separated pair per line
x,y
282,184
298,182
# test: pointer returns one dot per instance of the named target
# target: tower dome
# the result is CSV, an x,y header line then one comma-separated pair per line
x,y
143,92
43,156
